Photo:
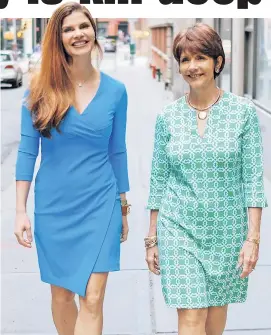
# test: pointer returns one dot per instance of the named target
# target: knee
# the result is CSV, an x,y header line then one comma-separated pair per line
x,y
92,303
61,296
193,318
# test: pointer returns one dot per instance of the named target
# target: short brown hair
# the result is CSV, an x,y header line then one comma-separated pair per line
x,y
199,38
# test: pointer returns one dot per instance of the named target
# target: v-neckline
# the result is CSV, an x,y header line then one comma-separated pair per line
x,y
92,99
207,125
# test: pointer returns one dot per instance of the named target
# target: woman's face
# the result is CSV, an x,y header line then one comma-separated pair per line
x,y
78,35
197,69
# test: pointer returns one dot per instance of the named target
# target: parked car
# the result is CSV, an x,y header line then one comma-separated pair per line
x,y
110,45
11,72
35,61
101,40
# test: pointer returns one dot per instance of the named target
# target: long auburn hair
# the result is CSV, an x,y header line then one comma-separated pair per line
x,y
51,90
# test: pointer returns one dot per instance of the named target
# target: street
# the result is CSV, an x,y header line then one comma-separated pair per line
x,y
133,301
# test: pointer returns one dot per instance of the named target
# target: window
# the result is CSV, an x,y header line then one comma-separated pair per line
x,y
102,29
263,60
225,29
5,57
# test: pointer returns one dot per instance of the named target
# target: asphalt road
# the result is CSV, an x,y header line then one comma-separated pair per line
x,y
10,109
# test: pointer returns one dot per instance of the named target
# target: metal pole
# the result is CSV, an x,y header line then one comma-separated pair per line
x,y
132,40
14,32
34,34
96,52
116,54
5,29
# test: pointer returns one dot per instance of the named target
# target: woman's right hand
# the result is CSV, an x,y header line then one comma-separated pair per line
x,y
23,226
152,259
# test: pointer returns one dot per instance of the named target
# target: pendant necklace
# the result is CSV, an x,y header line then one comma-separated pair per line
x,y
202,113
80,84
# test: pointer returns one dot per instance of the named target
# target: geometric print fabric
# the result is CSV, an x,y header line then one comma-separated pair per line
x,y
202,187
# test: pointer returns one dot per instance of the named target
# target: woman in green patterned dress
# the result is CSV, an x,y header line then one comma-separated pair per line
x,y
206,191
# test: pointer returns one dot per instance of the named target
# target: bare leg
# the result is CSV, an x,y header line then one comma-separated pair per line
x,y
216,320
192,321
64,310
90,317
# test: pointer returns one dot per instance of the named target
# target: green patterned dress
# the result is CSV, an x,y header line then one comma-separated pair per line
x,y
202,187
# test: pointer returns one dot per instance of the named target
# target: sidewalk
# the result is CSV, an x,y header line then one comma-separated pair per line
x,y
133,303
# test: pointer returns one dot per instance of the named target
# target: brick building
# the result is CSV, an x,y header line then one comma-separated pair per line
x,y
111,27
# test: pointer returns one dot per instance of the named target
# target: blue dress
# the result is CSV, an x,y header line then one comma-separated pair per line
x,y
82,172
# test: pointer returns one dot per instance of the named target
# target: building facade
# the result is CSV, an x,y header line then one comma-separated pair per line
x,y
13,32
112,27
22,34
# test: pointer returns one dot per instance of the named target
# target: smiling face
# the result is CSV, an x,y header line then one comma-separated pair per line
x,y
78,35
198,69
200,55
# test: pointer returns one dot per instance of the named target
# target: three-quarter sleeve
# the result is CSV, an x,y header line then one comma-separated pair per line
x,y
160,169
117,144
28,147
252,160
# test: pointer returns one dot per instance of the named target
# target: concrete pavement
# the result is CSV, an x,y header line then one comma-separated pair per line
x,y
133,302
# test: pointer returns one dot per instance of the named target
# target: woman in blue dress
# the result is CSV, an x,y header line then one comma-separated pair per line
x,y
77,115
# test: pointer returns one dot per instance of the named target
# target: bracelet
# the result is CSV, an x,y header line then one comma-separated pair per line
x,y
150,241
125,207
253,240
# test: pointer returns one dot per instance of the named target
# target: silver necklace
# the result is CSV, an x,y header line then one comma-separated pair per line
x,y
81,84
202,113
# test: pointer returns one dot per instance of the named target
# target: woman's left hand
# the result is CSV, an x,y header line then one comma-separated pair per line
x,y
248,258
125,229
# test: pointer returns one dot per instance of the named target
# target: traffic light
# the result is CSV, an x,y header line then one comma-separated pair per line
x,y
20,34
8,35
24,24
